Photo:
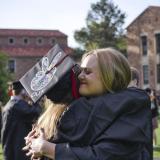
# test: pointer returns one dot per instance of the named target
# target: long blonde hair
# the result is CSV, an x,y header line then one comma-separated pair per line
x,y
49,119
114,68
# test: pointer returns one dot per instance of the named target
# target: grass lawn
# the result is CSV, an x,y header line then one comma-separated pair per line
x,y
1,155
157,149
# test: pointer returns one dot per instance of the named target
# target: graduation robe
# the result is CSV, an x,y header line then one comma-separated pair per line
x,y
17,119
114,126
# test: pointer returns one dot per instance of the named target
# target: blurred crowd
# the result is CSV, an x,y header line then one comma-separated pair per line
x,y
155,103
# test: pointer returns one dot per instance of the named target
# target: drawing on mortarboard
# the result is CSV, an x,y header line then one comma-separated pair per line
x,y
43,77
46,73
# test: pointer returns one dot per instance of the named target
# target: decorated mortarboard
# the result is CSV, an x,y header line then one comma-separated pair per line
x,y
47,72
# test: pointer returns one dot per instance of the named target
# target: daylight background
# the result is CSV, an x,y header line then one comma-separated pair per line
x,y
64,15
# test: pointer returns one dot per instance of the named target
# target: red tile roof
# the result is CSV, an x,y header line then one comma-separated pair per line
x,y
31,32
30,52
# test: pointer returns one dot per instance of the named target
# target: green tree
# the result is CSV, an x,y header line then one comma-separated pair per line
x,y
4,77
103,27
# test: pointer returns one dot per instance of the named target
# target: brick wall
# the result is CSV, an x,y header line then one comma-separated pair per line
x,y
27,54
147,23
23,64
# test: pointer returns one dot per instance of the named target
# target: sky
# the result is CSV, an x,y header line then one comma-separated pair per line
x,y
64,15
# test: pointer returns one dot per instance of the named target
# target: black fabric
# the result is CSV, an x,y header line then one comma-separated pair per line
x,y
17,85
62,91
17,118
110,127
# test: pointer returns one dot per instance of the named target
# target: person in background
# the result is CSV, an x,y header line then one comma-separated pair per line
x,y
109,121
156,114
17,119
154,110
134,78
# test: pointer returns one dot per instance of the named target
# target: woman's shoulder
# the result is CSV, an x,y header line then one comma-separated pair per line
x,y
136,91
125,95
131,93
127,98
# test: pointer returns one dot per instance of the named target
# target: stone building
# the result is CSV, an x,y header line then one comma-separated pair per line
x,y
26,47
143,36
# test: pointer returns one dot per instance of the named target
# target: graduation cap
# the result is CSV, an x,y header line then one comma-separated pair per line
x,y
49,76
17,85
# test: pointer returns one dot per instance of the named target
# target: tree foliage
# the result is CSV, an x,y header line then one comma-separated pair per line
x,y
4,77
103,27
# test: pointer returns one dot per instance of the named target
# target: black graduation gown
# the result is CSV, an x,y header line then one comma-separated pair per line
x,y
17,119
110,127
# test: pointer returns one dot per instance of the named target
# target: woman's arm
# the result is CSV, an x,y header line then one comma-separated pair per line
x,y
48,149
37,145
103,150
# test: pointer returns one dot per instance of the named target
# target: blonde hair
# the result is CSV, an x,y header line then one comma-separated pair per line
x,y
114,68
49,119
